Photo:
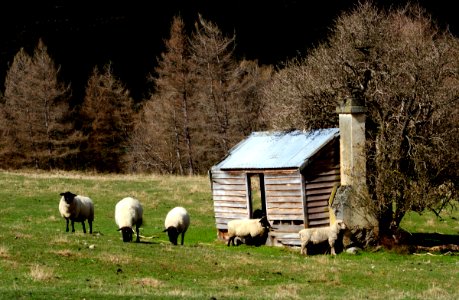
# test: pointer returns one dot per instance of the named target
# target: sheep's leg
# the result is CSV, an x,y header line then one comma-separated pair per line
x,y
66,225
73,226
304,249
84,227
183,237
231,239
332,247
90,226
138,234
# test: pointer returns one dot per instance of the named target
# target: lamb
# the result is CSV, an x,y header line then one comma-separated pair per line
x,y
76,208
248,229
177,222
321,234
128,212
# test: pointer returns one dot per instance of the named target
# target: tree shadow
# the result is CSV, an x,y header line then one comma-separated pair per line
x,y
432,239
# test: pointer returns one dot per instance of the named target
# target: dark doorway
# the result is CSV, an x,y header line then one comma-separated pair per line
x,y
256,189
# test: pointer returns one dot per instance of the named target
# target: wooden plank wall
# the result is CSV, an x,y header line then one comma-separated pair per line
x,y
229,192
284,198
320,177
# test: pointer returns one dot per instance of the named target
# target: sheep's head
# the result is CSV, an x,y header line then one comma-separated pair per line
x,y
264,222
68,197
340,224
173,233
126,232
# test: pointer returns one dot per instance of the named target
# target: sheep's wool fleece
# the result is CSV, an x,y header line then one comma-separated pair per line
x,y
81,206
177,217
127,212
245,227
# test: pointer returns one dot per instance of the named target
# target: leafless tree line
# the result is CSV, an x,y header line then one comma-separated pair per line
x,y
203,101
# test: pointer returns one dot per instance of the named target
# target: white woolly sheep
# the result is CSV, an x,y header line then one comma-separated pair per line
x,y
177,222
251,229
321,234
128,212
76,208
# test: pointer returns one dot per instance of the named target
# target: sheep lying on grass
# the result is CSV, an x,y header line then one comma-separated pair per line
x,y
76,208
129,212
321,234
248,229
177,222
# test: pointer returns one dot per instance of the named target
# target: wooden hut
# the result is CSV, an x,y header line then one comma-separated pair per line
x,y
288,176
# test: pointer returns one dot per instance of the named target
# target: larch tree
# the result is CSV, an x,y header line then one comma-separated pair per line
x,y
108,119
204,102
218,82
36,112
405,70
163,139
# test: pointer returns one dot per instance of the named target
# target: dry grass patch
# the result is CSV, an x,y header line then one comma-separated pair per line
x,y
147,282
287,291
41,273
66,253
435,292
4,252
60,240
117,259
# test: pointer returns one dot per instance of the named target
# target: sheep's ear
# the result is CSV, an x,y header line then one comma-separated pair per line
x,y
165,230
119,229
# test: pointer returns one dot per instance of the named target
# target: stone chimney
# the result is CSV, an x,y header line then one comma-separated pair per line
x,y
349,202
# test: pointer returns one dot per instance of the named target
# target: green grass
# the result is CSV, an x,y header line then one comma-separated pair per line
x,y
39,260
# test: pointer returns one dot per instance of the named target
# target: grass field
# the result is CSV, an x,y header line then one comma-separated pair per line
x,y
39,260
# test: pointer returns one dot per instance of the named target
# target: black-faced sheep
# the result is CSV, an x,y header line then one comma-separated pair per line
x,y
321,234
76,208
129,212
248,229
177,222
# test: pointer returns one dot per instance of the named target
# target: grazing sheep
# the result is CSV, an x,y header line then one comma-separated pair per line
x,y
128,212
177,222
76,208
321,234
248,229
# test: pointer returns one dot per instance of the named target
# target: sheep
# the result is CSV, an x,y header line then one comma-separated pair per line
x,y
321,234
76,208
177,222
129,212
248,229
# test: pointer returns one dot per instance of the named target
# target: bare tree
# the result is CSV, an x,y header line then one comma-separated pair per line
x,y
212,58
108,118
36,112
406,71
204,102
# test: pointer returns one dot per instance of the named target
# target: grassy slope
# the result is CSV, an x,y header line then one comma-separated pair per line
x,y
39,260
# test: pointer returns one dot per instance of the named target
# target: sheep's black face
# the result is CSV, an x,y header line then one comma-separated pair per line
x,y
68,197
264,222
126,232
173,233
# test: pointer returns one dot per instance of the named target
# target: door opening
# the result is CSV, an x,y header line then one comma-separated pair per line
x,y
256,189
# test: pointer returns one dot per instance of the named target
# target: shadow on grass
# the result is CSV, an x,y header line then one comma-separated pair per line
x,y
432,239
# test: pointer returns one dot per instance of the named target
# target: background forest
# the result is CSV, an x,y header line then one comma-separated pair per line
x,y
203,100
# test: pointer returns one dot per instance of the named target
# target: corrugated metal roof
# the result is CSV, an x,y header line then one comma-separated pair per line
x,y
276,150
